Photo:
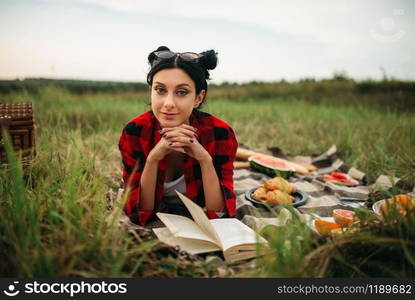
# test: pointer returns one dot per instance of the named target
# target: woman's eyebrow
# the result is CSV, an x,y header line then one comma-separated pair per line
x,y
179,85
183,84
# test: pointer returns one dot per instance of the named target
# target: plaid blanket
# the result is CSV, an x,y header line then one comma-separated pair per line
x,y
323,196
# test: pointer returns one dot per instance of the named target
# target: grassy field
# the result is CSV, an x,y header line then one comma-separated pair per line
x,y
57,222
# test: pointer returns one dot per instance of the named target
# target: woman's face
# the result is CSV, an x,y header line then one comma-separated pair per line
x,y
173,97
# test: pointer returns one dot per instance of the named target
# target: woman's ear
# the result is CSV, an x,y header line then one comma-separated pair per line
x,y
199,98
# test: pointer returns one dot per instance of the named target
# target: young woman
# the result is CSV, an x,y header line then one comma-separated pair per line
x,y
175,146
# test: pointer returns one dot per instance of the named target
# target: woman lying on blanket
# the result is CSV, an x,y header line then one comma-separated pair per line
x,y
175,146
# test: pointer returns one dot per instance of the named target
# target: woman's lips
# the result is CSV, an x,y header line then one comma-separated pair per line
x,y
169,116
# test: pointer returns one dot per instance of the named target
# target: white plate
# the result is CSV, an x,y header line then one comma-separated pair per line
x,y
376,207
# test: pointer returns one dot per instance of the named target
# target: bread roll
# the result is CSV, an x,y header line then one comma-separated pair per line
x,y
244,153
279,183
260,194
278,197
241,164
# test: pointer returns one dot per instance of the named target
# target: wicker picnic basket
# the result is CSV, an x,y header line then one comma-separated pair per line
x,y
17,120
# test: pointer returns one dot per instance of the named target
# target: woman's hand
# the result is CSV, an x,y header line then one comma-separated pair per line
x,y
160,150
183,139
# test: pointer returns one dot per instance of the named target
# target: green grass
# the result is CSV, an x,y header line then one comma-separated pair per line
x,y
377,142
56,222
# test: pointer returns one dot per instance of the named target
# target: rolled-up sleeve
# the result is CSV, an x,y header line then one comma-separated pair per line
x,y
133,161
223,163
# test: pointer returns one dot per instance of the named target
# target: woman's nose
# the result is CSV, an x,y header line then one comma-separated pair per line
x,y
169,101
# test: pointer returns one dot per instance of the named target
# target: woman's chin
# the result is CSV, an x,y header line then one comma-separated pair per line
x,y
168,123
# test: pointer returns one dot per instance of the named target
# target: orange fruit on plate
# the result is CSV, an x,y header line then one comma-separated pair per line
x,y
405,201
325,227
343,217
402,203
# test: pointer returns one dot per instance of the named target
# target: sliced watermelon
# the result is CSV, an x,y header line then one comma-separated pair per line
x,y
338,175
269,166
340,178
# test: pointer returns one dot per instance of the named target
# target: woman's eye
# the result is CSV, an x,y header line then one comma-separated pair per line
x,y
159,90
182,92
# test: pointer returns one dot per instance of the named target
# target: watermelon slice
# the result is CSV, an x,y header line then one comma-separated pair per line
x,y
340,178
269,166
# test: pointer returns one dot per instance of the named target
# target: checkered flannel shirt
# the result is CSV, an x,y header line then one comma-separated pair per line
x,y
139,137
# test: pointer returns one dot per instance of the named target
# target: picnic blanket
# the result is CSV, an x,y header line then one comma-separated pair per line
x,y
324,197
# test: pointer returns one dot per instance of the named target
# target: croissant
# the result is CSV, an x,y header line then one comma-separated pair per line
x,y
279,183
260,194
279,197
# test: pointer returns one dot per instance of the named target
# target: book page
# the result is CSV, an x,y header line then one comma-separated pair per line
x,y
184,227
233,232
188,245
237,256
200,217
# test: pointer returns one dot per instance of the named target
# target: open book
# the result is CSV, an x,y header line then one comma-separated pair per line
x,y
234,238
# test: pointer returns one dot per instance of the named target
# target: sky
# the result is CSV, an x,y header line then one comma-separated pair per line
x,y
256,40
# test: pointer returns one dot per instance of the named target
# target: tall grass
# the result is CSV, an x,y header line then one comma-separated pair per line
x,y
383,247
56,221
54,215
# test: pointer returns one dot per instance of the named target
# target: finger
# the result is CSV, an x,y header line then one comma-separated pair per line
x,y
177,131
179,149
189,127
182,139
167,129
170,136
185,126
177,128
178,144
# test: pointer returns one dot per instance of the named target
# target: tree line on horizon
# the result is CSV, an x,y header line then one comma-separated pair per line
x,y
386,92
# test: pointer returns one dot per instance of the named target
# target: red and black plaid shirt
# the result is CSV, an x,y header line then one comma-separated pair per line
x,y
139,137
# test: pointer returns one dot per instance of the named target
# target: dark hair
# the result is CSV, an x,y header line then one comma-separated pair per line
x,y
198,71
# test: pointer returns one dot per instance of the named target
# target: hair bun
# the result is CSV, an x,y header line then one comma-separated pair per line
x,y
209,59
152,56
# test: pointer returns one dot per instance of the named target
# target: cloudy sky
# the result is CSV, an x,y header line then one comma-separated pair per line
x,y
256,40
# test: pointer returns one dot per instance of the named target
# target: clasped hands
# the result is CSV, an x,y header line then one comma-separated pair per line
x,y
183,139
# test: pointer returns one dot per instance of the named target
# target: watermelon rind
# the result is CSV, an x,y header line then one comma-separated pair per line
x,y
270,171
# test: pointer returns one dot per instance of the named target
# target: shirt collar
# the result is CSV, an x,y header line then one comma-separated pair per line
x,y
193,120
